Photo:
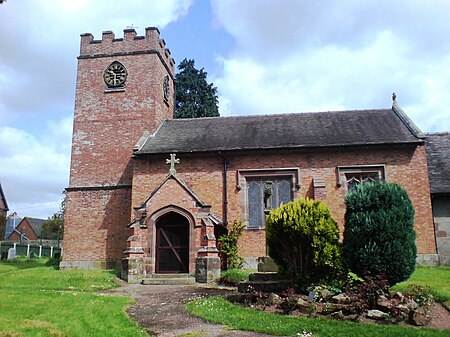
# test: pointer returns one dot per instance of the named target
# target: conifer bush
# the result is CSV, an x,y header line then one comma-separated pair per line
x,y
303,240
379,231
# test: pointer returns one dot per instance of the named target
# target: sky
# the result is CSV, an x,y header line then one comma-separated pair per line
x,y
264,57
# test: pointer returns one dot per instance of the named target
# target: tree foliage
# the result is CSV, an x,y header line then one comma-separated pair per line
x,y
228,245
53,227
379,231
303,239
194,97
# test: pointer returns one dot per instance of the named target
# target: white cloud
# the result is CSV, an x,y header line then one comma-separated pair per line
x,y
34,170
296,56
39,42
289,56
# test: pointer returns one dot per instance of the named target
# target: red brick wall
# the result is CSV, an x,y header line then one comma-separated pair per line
x,y
404,165
95,225
107,126
173,194
24,227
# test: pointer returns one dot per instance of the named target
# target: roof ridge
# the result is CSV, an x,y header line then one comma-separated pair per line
x,y
275,114
33,218
437,133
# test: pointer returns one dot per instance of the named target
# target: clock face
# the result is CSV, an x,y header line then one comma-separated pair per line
x,y
166,88
115,75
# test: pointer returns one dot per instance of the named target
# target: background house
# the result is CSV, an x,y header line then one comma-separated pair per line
x,y
29,229
438,153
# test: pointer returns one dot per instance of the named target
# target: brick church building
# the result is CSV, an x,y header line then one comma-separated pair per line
x,y
153,193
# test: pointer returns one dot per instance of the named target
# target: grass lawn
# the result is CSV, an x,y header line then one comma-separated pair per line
x,y
37,300
220,311
438,279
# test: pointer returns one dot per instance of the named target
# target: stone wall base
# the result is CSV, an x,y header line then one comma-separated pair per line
x,y
207,269
427,259
133,270
95,264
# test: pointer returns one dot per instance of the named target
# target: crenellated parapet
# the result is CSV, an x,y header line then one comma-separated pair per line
x,y
130,44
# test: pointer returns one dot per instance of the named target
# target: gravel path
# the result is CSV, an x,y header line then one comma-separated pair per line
x,y
159,309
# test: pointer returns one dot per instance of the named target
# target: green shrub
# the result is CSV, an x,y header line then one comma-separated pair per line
x,y
379,231
303,239
228,245
234,276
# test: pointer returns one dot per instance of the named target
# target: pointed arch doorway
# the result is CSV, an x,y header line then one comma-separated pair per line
x,y
172,244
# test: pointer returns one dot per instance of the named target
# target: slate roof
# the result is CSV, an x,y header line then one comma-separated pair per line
x,y
3,198
283,131
36,224
438,155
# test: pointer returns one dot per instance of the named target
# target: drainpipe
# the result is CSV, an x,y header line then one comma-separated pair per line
x,y
225,190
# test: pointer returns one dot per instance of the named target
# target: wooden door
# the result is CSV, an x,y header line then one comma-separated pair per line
x,y
172,244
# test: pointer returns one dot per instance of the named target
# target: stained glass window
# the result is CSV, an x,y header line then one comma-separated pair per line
x,y
259,199
350,177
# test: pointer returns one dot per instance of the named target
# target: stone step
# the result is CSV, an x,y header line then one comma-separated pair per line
x,y
179,275
168,279
269,276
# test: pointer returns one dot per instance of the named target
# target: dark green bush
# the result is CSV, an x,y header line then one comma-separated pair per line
x,y
303,239
379,231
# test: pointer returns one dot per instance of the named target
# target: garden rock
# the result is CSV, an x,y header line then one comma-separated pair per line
x,y
384,303
303,306
242,298
341,298
376,314
411,304
420,317
338,315
352,318
273,299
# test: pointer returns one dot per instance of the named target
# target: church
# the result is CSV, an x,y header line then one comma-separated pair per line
x,y
152,194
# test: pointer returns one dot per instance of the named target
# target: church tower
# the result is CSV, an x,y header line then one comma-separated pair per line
x,y
124,89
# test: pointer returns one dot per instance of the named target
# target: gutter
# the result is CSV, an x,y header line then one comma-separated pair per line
x,y
225,189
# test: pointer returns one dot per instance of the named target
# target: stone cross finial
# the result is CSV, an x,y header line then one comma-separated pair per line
x,y
172,161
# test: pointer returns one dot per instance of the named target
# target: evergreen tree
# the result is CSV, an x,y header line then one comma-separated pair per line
x,y
53,227
379,231
195,97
